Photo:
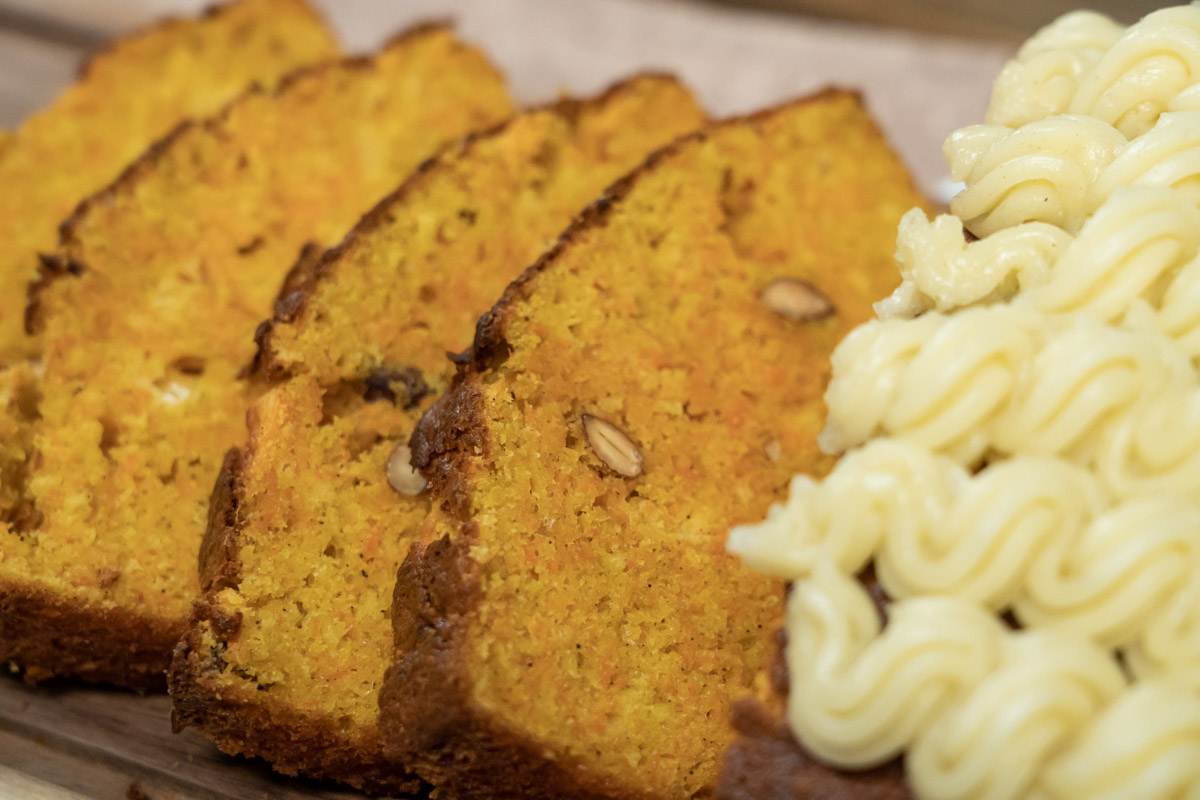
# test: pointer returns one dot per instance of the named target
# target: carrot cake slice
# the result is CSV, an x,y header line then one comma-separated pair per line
x,y
148,310
127,96
575,627
285,655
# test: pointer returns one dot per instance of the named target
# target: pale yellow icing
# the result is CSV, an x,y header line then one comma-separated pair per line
x,y
1044,76
1134,249
1134,207
1086,64
942,271
1167,155
1136,79
1037,535
1026,413
982,711
1005,379
1041,172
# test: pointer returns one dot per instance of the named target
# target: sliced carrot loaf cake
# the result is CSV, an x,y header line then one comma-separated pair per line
x,y
126,97
149,309
286,654
574,627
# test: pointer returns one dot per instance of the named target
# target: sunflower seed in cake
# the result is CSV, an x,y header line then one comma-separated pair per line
x,y
612,446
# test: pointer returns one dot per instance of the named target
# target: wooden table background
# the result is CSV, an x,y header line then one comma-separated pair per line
x,y
68,741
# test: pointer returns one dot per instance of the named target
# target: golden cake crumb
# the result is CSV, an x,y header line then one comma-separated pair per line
x,y
319,519
148,311
580,629
127,96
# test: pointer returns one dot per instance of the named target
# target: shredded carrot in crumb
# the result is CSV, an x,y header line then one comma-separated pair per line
x,y
652,320
407,287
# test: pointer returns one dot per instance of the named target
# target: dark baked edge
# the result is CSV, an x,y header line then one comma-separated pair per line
x,y
427,723
313,267
766,762
56,266
292,742
20,637
217,562
427,716
42,631
238,726
48,634
490,347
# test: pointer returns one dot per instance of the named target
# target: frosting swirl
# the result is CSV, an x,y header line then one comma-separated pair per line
x,y
1021,436
1036,535
1087,64
984,712
1001,378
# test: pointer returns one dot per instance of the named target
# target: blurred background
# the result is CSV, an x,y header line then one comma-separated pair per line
x,y
987,19
925,66
83,20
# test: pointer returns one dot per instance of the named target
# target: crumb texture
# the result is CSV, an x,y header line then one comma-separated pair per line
x,y
356,356
607,631
126,97
165,275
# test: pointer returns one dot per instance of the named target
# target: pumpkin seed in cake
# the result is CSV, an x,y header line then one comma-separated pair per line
x,y
612,446
796,299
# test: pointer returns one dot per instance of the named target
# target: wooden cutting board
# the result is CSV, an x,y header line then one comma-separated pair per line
x,y
67,741
63,741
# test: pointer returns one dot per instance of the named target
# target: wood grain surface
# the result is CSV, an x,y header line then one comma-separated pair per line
x,y
65,740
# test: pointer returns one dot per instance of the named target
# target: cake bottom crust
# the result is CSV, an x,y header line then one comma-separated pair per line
x,y
46,634
293,742
767,763
427,715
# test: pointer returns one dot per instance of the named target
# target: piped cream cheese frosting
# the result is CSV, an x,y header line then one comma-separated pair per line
x,y
1020,430
1086,64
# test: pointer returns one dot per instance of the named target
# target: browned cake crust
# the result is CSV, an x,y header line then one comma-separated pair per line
x,y
767,763
53,267
310,746
129,93
466,749
433,594
42,628
313,263
42,631
49,635
461,747
217,562
427,716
